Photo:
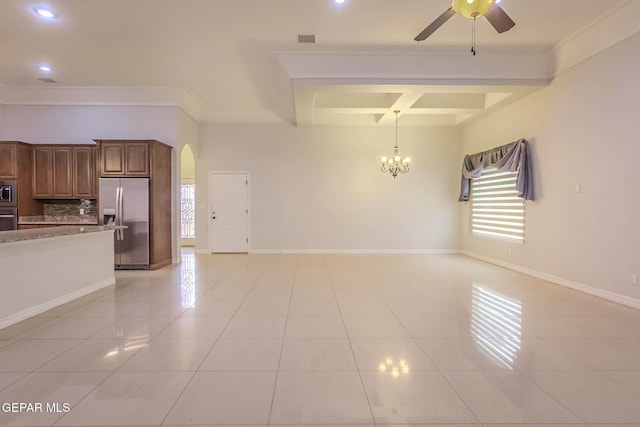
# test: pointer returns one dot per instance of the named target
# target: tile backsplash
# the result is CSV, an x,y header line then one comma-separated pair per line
x,y
69,207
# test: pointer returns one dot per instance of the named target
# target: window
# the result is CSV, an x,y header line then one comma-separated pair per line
x,y
496,209
187,211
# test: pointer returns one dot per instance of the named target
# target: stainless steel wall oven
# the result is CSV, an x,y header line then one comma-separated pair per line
x,y
8,194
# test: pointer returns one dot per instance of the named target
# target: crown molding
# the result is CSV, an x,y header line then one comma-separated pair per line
x,y
607,31
104,96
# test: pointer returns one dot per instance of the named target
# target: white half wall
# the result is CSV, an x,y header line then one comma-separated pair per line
x,y
41,274
584,132
320,188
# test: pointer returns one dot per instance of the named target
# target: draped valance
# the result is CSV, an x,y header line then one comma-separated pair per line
x,y
513,157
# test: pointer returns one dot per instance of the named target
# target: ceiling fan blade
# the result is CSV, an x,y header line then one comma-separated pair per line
x,y
499,19
435,25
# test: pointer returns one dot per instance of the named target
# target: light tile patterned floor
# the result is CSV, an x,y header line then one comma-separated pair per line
x,y
301,340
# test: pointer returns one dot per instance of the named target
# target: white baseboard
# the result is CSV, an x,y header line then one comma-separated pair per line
x,y
39,309
356,251
611,296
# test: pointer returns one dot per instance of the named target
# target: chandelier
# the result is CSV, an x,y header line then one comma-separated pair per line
x,y
395,164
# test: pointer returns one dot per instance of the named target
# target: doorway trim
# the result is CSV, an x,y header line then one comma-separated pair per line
x,y
210,174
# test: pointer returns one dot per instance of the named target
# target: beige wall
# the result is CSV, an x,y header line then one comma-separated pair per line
x,y
321,189
66,124
585,131
2,123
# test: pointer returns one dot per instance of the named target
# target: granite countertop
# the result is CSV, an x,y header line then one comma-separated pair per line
x,y
44,233
58,220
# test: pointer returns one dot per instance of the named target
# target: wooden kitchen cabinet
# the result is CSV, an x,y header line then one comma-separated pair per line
x,y
64,172
16,163
84,180
125,158
62,168
34,226
42,172
8,161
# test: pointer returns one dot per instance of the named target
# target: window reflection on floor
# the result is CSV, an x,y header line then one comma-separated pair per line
x,y
188,279
496,325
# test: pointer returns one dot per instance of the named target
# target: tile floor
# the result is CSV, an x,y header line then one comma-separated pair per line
x,y
325,340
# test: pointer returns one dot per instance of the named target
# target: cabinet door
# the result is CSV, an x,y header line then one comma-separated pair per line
x,y
112,158
62,172
8,165
83,176
136,159
95,163
42,172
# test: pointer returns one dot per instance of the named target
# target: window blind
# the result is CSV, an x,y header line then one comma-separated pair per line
x,y
496,209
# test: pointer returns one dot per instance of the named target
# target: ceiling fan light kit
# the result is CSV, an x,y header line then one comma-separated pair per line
x,y
472,9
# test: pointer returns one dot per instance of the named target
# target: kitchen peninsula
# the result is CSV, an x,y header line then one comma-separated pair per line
x,y
47,267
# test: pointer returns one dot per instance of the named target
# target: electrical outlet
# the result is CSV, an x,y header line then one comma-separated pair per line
x,y
634,279
81,211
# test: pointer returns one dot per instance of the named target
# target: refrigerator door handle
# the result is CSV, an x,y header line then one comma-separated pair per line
x,y
119,211
117,219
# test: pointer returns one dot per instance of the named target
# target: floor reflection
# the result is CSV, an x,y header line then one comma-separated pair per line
x,y
127,346
496,325
395,368
188,280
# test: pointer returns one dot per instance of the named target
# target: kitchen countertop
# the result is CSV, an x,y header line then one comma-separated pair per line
x,y
57,220
44,233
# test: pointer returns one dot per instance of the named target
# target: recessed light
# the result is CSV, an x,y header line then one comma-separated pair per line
x,y
44,13
339,1
44,68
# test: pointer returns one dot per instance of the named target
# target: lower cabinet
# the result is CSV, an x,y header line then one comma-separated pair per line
x,y
33,226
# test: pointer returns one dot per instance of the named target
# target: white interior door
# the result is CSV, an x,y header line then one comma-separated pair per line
x,y
228,211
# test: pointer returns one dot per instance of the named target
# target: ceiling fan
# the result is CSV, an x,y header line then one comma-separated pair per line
x,y
472,9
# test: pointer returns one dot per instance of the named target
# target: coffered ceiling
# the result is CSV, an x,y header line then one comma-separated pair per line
x,y
240,61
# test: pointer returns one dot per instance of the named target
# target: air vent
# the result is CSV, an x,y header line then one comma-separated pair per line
x,y
47,80
307,38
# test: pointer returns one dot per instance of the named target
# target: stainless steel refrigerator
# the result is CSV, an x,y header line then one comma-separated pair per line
x,y
125,201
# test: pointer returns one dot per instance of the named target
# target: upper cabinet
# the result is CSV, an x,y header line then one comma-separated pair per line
x,y
84,177
42,172
8,161
62,168
16,163
125,158
64,172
